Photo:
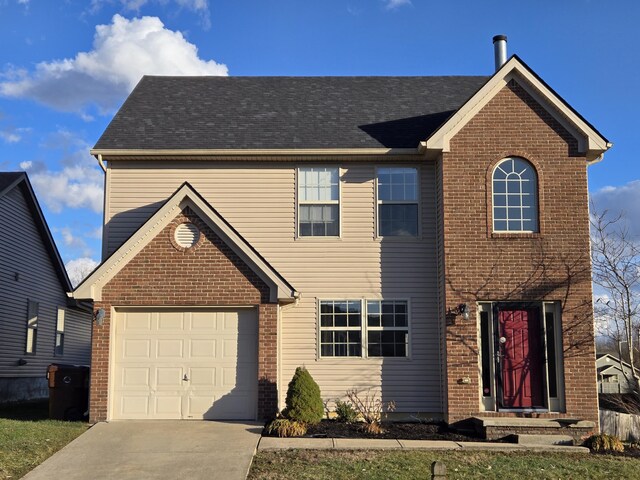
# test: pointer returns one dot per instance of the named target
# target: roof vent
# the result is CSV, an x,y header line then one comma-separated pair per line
x,y
500,50
187,235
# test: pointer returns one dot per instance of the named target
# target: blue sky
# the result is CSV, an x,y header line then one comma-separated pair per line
x,y
65,67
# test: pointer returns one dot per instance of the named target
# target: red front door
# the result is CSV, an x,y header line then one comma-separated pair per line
x,y
521,349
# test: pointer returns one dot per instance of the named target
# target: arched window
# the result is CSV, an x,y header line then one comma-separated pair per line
x,y
515,196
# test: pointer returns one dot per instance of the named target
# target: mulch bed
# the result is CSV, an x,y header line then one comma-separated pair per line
x,y
392,430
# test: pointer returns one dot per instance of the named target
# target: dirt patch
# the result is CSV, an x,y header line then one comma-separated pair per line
x,y
391,430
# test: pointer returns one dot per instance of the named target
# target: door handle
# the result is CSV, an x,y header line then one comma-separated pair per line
x,y
185,378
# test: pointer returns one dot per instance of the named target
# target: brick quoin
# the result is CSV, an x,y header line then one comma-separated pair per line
x,y
552,265
165,274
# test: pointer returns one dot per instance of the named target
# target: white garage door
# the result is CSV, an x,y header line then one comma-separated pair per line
x,y
185,364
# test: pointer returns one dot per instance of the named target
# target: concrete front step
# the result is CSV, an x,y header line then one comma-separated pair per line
x,y
495,428
536,440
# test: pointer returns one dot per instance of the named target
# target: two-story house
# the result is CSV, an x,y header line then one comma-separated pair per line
x,y
426,237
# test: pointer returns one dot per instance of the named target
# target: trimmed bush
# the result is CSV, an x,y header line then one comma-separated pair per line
x,y
604,443
304,403
283,427
345,412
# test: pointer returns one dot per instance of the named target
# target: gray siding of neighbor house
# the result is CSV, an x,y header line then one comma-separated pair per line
x,y
259,200
23,253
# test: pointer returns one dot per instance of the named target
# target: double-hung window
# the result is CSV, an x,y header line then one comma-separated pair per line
x,y
59,346
397,202
318,202
343,333
387,328
341,328
32,326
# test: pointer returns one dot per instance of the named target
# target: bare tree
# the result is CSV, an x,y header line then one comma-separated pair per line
x,y
616,270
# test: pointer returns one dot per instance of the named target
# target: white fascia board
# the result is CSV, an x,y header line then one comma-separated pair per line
x,y
589,141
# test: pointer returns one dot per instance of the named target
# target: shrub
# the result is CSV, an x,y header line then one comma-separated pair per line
x,y
371,408
604,443
283,427
304,403
345,412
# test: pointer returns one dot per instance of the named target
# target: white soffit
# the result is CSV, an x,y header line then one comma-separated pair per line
x,y
590,142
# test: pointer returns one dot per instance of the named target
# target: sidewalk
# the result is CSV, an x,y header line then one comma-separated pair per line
x,y
273,443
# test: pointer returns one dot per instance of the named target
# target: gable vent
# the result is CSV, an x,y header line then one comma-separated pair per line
x,y
187,235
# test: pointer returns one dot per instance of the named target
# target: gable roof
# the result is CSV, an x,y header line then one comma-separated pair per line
x,y
11,180
171,113
205,116
184,196
590,142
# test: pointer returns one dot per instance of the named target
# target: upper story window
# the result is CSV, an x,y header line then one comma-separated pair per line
x,y
515,196
397,202
318,202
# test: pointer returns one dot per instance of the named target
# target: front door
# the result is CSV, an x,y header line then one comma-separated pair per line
x,y
521,356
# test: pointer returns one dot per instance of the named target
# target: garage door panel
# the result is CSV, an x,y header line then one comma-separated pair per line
x,y
203,348
136,348
135,377
169,349
217,350
138,321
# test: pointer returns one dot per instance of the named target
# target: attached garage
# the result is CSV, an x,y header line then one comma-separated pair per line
x,y
185,364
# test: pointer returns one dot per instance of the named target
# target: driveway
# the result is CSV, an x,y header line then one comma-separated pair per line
x,y
155,449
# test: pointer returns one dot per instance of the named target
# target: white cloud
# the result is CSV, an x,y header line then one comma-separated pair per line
x,y
26,165
393,4
623,200
79,268
9,137
78,184
23,2
201,7
123,52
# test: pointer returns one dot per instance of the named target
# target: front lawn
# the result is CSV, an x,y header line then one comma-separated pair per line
x,y
27,438
371,465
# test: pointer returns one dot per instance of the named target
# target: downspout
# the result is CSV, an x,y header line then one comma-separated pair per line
x,y
101,163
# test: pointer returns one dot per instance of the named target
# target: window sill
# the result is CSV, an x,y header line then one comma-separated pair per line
x,y
318,238
510,235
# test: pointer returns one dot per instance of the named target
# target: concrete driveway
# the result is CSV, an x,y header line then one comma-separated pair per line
x,y
155,449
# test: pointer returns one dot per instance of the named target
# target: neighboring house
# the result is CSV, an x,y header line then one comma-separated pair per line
x,y
427,237
614,375
39,323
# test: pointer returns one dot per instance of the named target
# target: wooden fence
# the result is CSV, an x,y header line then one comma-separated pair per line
x,y
622,425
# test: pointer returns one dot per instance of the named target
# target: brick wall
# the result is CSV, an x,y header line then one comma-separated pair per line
x,y
552,265
165,274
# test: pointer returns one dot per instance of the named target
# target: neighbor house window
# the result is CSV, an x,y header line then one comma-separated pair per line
x,y
32,326
318,202
387,328
515,196
343,333
59,346
397,202
341,328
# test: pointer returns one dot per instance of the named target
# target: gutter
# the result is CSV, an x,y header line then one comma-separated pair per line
x,y
251,152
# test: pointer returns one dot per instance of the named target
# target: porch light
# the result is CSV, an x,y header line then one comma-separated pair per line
x,y
463,309
99,316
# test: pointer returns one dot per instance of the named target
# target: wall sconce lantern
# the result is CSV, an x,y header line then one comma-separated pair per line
x,y
99,316
462,309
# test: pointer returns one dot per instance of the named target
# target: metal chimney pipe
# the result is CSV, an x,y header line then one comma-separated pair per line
x,y
500,50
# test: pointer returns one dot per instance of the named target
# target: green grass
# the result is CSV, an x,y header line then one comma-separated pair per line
x,y
372,465
27,438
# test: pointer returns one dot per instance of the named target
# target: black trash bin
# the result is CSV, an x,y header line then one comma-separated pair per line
x,y
68,391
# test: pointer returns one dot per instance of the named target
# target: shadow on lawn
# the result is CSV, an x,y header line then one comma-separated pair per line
x,y
28,411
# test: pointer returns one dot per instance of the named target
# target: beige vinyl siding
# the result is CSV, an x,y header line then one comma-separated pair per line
x,y
22,251
258,199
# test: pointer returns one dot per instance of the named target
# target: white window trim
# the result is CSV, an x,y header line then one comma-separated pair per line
x,y
34,335
61,311
536,200
299,202
364,328
378,202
